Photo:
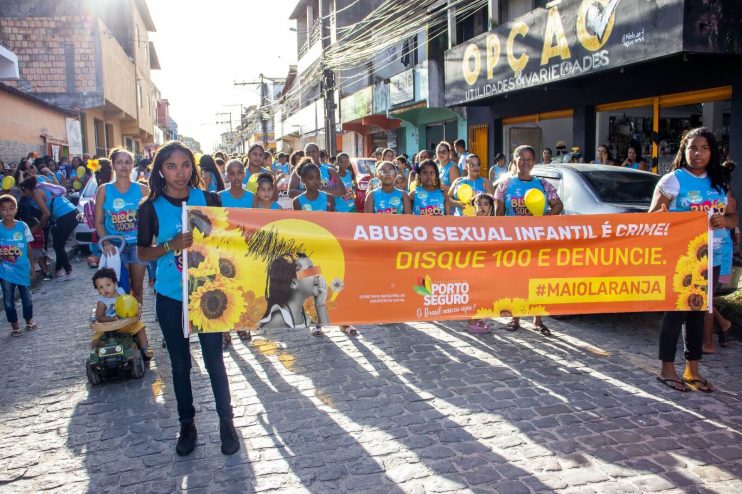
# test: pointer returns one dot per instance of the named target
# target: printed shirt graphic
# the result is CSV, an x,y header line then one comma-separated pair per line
x,y
14,263
512,192
319,204
429,203
688,192
170,266
120,211
388,202
346,203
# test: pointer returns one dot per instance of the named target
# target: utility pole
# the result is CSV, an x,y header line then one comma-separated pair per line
x,y
231,133
263,101
328,80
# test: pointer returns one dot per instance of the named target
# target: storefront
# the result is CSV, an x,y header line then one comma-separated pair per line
x,y
590,72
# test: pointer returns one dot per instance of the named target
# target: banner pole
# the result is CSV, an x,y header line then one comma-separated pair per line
x,y
184,272
710,268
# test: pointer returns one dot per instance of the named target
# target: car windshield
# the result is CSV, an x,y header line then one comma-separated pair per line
x,y
622,185
367,166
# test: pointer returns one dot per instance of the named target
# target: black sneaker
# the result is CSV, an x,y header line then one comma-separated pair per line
x,y
186,438
228,435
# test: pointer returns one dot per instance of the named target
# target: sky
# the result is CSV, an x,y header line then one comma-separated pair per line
x,y
204,46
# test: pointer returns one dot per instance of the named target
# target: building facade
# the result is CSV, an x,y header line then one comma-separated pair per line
x,y
93,57
614,72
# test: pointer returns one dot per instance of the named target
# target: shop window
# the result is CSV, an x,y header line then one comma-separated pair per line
x,y
623,128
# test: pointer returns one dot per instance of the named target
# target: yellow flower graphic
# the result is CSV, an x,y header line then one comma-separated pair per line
x,y
701,272
698,247
684,273
93,165
335,288
511,307
254,309
692,299
216,306
208,267
197,253
208,221
233,265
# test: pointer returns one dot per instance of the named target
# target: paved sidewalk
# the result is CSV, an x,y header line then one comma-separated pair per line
x,y
401,408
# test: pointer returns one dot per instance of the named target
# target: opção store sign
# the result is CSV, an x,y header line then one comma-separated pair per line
x,y
571,38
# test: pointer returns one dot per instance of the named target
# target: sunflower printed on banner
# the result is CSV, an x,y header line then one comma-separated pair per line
x,y
690,280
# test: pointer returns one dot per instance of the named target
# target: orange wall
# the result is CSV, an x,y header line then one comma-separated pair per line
x,y
25,121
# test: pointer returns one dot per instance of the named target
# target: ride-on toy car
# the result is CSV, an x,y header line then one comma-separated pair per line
x,y
117,355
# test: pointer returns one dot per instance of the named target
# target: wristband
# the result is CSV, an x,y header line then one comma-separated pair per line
x,y
167,247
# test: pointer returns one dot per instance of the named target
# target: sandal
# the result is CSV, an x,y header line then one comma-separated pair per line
x,y
93,261
543,329
245,336
32,327
667,382
694,383
316,331
226,340
349,330
478,327
512,325
16,331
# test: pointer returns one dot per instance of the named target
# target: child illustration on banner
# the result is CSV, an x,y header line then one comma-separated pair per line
x,y
291,280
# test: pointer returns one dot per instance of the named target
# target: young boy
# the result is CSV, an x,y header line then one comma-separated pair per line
x,y
106,282
16,264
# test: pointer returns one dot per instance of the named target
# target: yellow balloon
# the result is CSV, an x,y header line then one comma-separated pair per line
x,y
8,182
252,184
197,156
413,185
126,306
535,202
80,171
465,193
77,185
469,210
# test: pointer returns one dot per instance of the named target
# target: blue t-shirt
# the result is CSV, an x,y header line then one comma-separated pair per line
x,y
429,203
170,266
499,171
281,168
514,197
445,172
213,186
476,185
346,203
249,174
230,201
324,173
57,206
319,204
15,266
120,211
697,194
388,202
274,205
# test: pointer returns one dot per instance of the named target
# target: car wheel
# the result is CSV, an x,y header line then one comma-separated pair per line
x,y
137,366
93,377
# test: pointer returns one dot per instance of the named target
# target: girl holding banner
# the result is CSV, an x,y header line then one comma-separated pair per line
x,y
510,198
173,183
695,183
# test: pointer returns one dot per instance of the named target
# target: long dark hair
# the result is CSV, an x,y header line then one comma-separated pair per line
x,y
207,163
157,181
434,165
281,272
714,169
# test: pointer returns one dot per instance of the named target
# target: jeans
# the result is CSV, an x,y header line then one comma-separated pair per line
x,y
63,228
9,301
170,315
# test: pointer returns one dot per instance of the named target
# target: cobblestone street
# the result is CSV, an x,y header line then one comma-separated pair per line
x,y
400,408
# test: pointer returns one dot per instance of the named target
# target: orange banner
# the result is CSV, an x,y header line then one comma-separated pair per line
x,y
250,268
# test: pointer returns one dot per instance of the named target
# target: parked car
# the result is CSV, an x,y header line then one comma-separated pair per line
x,y
599,189
365,170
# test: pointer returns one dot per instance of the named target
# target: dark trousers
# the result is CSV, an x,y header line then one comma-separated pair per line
x,y
670,329
9,301
170,316
63,228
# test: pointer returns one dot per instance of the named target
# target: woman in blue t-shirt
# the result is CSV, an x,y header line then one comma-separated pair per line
x,y
696,182
116,205
173,182
211,175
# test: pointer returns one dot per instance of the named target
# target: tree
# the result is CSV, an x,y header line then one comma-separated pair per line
x,y
191,143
